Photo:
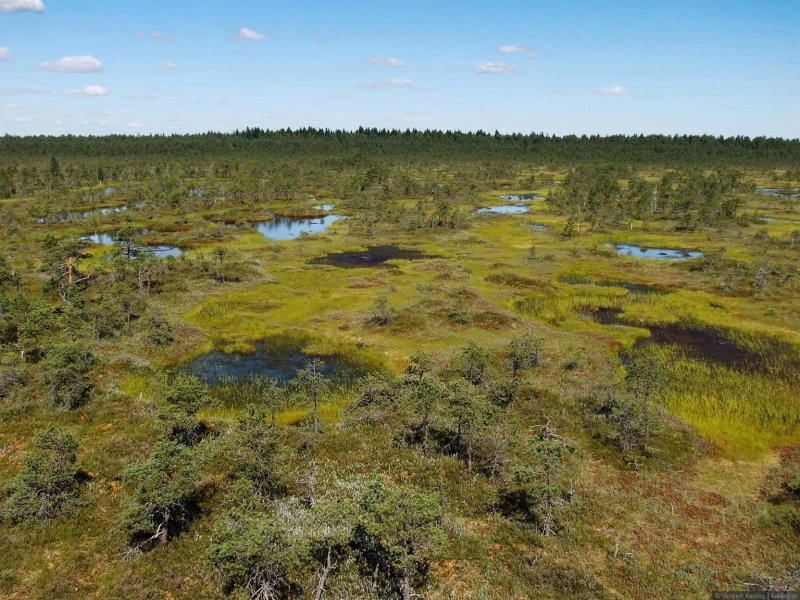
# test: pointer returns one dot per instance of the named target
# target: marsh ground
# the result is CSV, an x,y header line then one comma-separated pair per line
x,y
692,520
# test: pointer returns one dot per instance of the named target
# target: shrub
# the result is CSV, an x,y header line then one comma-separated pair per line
x,y
254,552
399,533
162,487
380,313
255,451
47,486
542,485
65,370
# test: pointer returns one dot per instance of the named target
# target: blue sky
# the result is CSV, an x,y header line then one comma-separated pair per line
x,y
724,67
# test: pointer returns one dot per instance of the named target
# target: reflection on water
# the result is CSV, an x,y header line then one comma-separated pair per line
x,y
779,220
283,228
83,214
508,209
105,239
521,197
110,239
656,253
781,192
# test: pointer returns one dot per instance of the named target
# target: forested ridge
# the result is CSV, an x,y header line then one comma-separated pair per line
x,y
326,145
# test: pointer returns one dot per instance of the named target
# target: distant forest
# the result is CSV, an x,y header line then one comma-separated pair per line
x,y
336,148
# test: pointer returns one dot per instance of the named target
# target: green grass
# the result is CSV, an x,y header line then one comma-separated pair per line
x,y
745,414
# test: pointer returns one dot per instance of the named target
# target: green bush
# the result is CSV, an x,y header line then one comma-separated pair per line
x,y
162,489
65,370
47,487
399,534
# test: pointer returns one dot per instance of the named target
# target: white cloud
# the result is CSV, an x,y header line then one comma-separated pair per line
x,y
245,33
5,53
74,64
614,90
512,49
380,61
493,68
90,91
20,5
168,65
392,84
160,37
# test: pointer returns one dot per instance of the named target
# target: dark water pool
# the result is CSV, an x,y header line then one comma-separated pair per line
x,y
373,256
703,343
635,288
269,361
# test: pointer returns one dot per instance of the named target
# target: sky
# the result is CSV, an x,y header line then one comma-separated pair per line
x,y
723,67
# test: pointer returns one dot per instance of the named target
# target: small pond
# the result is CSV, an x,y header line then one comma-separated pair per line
x,y
656,253
164,251
373,256
284,228
706,344
781,192
703,343
109,239
778,220
70,215
324,206
507,209
538,227
521,197
634,288
270,360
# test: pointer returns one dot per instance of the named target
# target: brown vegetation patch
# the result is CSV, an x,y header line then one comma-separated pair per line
x,y
301,213
365,282
518,281
490,319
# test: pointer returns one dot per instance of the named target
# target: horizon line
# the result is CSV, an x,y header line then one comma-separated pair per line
x,y
402,131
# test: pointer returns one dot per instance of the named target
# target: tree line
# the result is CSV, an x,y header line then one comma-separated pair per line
x,y
332,148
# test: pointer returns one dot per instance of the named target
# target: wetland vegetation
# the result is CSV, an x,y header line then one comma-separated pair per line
x,y
409,397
